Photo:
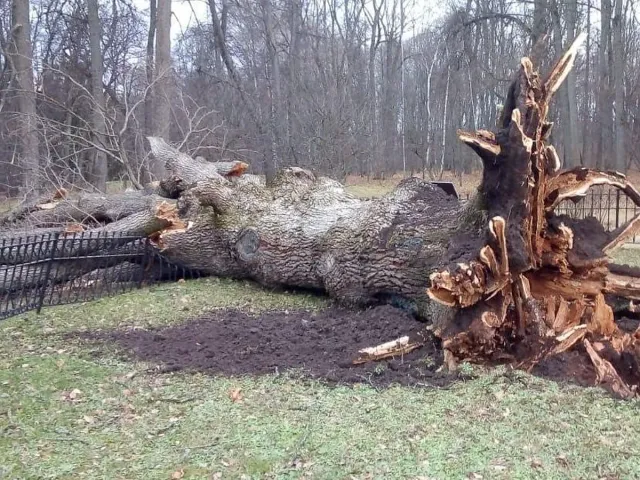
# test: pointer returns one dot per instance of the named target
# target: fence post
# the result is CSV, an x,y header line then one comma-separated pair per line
x,y
617,208
56,236
146,263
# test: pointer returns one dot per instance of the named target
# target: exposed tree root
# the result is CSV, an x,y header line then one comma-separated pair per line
x,y
537,288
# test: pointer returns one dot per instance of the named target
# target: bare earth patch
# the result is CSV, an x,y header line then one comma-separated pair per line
x,y
319,345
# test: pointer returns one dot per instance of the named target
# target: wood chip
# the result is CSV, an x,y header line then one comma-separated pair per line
x,y
607,374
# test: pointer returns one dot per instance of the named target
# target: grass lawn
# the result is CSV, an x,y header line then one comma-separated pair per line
x,y
67,411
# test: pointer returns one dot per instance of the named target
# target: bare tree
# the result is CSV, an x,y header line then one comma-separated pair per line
x,y
572,155
22,63
618,82
604,107
98,177
162,89
148,103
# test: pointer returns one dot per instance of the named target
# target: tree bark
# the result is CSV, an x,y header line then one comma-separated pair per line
x,y
618,82
572,154
148,100
163,79
273,87
23,65
98,177
605,111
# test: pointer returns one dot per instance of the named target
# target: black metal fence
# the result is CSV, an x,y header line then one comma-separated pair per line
x,y
56,269
609,205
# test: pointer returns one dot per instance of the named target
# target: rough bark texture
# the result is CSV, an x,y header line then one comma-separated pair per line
x,y
163,76
499,277
537,284
99,168
22,54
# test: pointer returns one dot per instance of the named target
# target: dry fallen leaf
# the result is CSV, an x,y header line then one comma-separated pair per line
x,y
235,395
89,419
75,394
73,228
47,206
177,475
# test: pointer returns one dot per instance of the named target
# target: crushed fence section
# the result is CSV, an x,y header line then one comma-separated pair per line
x,y
607,204
56,268
611,207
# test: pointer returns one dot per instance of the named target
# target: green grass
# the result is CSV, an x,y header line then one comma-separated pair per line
x,y
7,205
124,422
628,255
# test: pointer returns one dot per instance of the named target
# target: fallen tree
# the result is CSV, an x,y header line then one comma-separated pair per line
x,y
501,277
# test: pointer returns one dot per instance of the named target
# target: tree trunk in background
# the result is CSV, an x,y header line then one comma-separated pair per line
x,y
587,141
539,29
572,154
98,176
273,87
148,100
162,87
150,164
28,138
219,32
373,108
604,107
618,81
561,132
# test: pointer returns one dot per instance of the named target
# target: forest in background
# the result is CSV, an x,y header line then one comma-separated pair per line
x,y
344,87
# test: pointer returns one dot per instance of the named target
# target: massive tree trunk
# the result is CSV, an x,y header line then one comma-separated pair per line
x,y
499,277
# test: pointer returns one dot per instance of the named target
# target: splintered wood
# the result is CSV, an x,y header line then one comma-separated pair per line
x,y
400,346
540,280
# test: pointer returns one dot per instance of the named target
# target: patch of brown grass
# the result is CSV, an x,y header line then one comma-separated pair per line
x,y
466,183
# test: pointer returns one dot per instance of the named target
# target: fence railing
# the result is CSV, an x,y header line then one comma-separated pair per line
x,y
56,269
607,204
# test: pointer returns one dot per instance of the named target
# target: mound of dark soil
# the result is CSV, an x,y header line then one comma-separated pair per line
x,y
320,345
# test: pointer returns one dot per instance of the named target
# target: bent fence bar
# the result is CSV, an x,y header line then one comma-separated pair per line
x,y
57,268
609,205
